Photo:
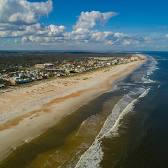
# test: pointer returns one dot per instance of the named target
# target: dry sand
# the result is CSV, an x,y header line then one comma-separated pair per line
x,y
27,112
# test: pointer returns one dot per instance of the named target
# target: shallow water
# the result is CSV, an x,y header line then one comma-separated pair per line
x,y
107,132
112,144
64,143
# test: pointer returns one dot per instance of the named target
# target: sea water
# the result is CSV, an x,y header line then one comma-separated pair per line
x,y
138,137
125,127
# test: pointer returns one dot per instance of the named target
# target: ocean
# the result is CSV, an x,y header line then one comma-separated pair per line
x,y
125,127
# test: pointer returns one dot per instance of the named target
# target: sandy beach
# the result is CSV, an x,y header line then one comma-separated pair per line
x,y
27,112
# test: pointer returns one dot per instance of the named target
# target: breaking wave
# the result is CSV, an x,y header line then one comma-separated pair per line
x,y
94,155
152,66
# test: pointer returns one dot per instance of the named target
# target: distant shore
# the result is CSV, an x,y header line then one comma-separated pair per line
x,y
27,112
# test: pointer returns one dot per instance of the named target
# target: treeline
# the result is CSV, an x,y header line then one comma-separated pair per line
x,y
28,58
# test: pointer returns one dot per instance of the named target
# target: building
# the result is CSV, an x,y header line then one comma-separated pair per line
x,y
2,86
43,66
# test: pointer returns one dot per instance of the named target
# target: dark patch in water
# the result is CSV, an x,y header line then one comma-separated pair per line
x,y
147,145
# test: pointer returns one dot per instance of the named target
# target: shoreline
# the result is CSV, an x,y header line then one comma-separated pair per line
x,y
47,106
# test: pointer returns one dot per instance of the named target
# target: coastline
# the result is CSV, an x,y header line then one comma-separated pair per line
x,y
47,103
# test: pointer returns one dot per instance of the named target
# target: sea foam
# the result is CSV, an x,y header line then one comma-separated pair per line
x,y
94,155
152,66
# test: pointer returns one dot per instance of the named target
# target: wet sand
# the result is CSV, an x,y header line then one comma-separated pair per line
x,y
28,112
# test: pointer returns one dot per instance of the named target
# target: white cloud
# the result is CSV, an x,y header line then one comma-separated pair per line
x,y
85,28
88,20
19,20
23,11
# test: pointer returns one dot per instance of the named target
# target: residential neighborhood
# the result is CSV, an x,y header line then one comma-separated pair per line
x,y
21,74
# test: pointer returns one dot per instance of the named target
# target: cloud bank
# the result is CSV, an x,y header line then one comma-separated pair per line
x,y
19,12
20,21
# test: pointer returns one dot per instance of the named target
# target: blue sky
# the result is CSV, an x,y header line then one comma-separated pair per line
x,y
132,13
84,25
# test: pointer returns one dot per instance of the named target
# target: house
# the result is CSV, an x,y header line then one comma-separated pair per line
x,y
21,80
39,66
49,65
2,86
43,66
